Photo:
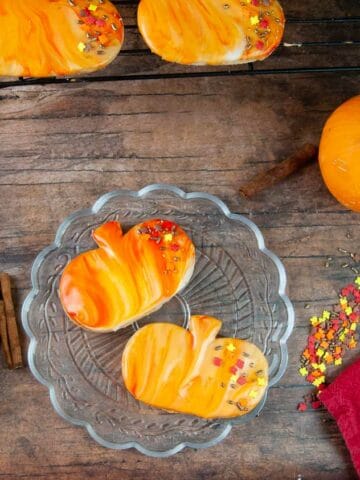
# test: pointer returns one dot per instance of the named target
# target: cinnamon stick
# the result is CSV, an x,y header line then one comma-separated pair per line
x,y
11,324
4,335
306,154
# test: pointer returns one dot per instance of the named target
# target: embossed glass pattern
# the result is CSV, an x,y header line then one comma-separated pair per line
x,y
236,279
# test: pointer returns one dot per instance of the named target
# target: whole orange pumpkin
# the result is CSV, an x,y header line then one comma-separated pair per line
x,y
339,154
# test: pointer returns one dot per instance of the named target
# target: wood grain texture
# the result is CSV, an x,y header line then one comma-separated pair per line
x,y
62,146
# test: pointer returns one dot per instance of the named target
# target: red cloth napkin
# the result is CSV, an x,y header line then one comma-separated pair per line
x,y
342,399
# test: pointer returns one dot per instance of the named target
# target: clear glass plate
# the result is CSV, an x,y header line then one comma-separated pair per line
x,y
236,279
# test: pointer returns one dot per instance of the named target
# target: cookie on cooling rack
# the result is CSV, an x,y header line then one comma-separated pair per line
x,y
213,32
42,38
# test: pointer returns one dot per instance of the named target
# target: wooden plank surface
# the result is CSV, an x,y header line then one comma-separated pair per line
x,y
62,146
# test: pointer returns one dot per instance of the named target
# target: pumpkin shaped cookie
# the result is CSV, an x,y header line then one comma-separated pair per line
x,y
128,276
214,32
42,38
192,371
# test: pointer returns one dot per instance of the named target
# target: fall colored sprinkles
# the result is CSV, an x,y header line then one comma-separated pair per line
x,y
164,234
236,377
101,23
260,15
331,335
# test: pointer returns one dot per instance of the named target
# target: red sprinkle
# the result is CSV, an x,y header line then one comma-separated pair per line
x,y
264,23
240,363
167,225
90,20
241,380
233,370
174,247
217,361
302,407
100,22
260,45
316,404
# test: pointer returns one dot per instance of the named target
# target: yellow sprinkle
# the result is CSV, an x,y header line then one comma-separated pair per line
x,y
314,321
168,237
93,7
342,337
303,371
81,46
253,394
326,314
322,367
348,311
233,378
254,20
357,281
353,327
231,347
343,301
319,381
338,361
352,343
346,330
315,366
261,382
320,352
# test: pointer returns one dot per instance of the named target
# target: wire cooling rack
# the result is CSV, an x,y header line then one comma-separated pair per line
x,y
320,37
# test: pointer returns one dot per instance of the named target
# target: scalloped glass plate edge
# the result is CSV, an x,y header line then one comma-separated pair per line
x,y
227,425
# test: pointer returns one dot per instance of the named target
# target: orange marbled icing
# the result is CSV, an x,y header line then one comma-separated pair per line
x,y
211,31
128,276
40,38
191,371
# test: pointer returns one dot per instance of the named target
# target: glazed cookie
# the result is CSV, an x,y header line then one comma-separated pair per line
x,y
214,32
192,371
42,38
128,276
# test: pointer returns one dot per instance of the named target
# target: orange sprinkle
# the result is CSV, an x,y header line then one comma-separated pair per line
x,y
319,334
329,359
330,334
324,344
103,39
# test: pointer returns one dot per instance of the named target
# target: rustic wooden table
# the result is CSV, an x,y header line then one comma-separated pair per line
x,y
64,144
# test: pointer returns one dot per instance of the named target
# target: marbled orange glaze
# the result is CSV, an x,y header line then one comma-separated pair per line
x,y
192,372
40,38
128,276
213,32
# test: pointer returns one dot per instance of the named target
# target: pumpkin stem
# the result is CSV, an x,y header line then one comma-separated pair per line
x,y
203,329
